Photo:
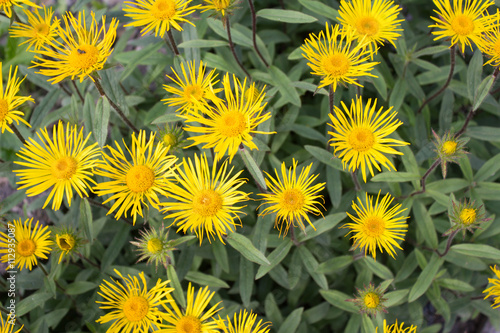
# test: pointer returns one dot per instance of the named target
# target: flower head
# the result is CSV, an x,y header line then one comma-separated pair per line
x,y
207,201
377,225
62,163
232,122
30,244
38,30
159,15
491,42
465,22
10,101
494,290
219,7
371,23
172,137
243,322
370,300
6,5
7,326
360,136
134,307
146,177
84,49
292,197
334,57
465,216
449,149
395,328
67,241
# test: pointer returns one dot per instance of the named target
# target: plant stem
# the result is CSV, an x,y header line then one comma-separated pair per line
x,y
448,244
231,45
98,204
65,89
424,177
292,236
450,75
78,91
331,98
88,260
254,32
17,133
172,42
355,180
117,109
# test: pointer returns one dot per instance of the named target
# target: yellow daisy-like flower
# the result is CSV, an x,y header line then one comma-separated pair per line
x,y
334,57
6,5
360,138
7,326
494,290
491,42
193,319
292,198
62,163
159,15
232,122
10,101
395,328
467,21
371,23
146,177
38,30
377,225
194,92
84,49
207,200
243,323
223,7
67,242
134,307
30,244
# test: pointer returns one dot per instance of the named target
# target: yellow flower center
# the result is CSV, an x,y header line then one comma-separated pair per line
x,y
155,245
374,226
188,324
496,48
83,57
371,300
4,109
462,25
292,200
368,26
232,124
41,29
169,139
140,178
64,168
207,203
135,308
163,9
361,139
337,64
468,215
221,4
65,242
193,91
26,247
449,147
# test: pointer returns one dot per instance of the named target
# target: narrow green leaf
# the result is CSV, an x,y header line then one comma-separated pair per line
x,y
31,302
379,83
322,9
285,15
246,281
396,297
489,169
80,287
398,93
322,225
275,257
367,324
284,85
86,220
292,322
175,283
424,224
325,157
482,91
378,269
220,254
206,280
244,246
395,177
474,73
430,51
484,133
202,43
252,167
311,265
338,299
335,264
101,120
477,250
43,107
425,279
114,248
454,284
137,57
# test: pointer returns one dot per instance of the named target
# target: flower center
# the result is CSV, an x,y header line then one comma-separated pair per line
x,y
337,64
193,91
468,215
42,29
368,26
188,324
163,9
292,200
26,247
207,203
371,300
155,245
64,168
462,25
169,139
232,124
361,139
135,308
496,48
4,109
449,147
83,57
65,242
140,178
374,226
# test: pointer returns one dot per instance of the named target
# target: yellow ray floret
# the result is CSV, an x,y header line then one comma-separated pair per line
x,y
494,290
6,5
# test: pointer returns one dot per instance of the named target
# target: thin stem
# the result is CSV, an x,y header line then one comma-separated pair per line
x,y
254,32
292,236
424,177
98,204
448,244
78,91
331,97
88,260
17,133
172,42
65,89
450,75
231,45
355,180
358,256
116,107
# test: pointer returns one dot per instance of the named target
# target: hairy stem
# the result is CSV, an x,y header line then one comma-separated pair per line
x,y
231,45
172,42
88,260
78,91
254,32
355,180
424,177
448,244
17,133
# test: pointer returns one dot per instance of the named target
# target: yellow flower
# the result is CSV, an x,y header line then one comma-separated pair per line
x,y
395,328
232,122
491,42
146,177
207,200
467,21
370,300
135,308
38,30
192,319
360,136
7,326
194,92
10,101
243,323
67,242
62,163
334,57
30,244
7,4
371,23
84,49
222,7
377,226
158,14
495,289
466,215
154,246
292,198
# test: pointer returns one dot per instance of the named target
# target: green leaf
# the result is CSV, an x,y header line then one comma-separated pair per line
x,y
275,257
101,120
395,177
80,287
322,9
488,191
322,225
296,54
430,51
398,93
311,265
378,269
285,15
367,324
202,43
292,322
335,264
114,248
86,220
425,225
244,246
474,73
477,250
489,169
31,302
175,283
325,157
425,279
246,281
396,297
252,167
137,57
448,185
338,299
284,85
220,254
206,280
482,91
43,107
454,284
379,83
